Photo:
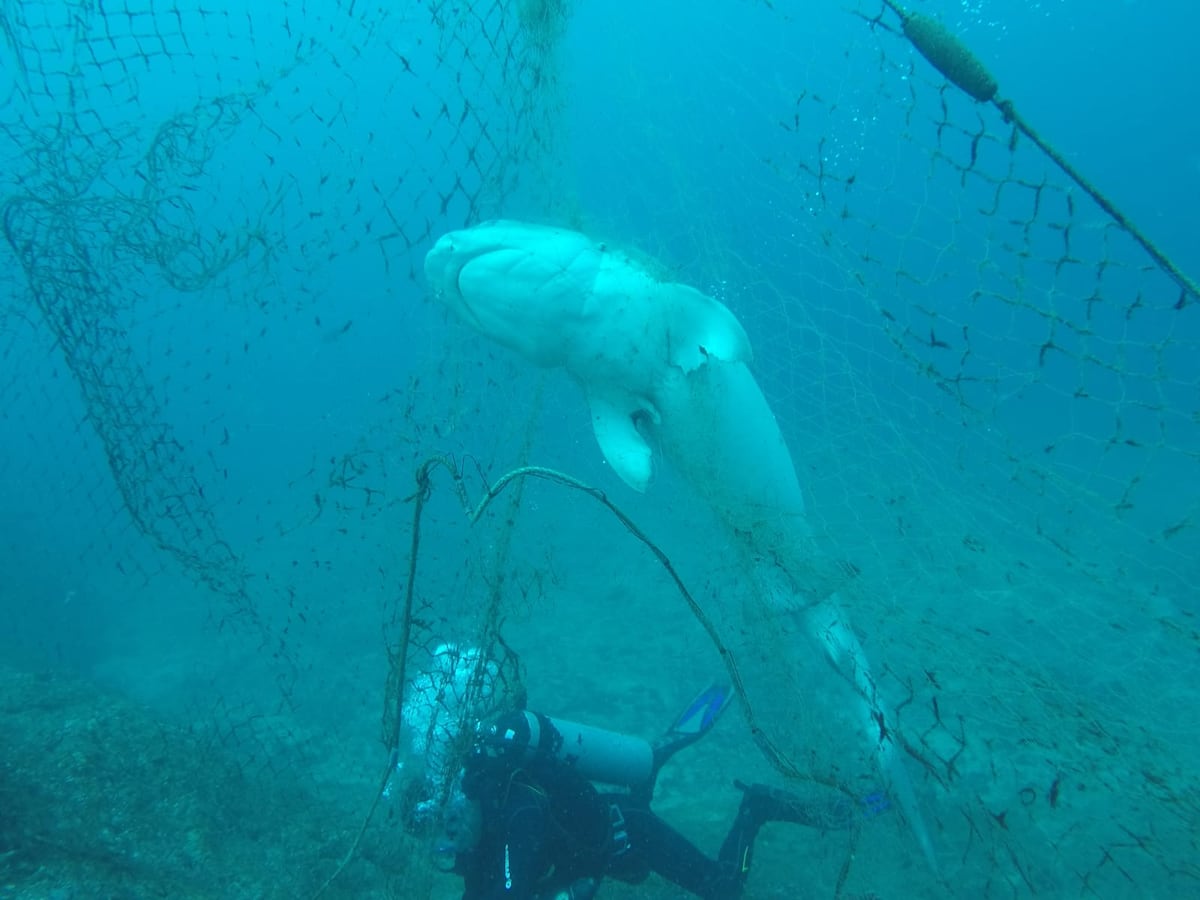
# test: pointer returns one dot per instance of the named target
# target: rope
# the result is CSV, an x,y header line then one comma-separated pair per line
x,y
962,68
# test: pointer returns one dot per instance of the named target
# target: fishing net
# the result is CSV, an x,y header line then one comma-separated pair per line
x,y
221,374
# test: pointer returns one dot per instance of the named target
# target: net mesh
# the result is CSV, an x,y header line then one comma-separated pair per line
x,y
220,375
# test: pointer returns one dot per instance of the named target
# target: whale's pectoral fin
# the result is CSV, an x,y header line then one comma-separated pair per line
x,y
614,420
702,328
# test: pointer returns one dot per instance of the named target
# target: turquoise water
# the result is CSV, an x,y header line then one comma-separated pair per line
x,y
220,368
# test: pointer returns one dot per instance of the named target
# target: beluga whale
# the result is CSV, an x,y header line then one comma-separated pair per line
x,y
664,365
661,364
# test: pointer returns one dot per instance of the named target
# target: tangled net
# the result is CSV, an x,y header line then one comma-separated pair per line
x,y
221,377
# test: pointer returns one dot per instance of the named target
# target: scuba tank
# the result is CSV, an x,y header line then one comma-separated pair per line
x,y
523,737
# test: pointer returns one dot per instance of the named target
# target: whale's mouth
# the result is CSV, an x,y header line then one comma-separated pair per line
x,y
457,265
453,258
457,279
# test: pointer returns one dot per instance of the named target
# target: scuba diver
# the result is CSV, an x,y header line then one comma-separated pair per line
x,y
525,821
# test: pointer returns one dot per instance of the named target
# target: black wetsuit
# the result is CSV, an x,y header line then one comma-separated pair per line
x,y
545,827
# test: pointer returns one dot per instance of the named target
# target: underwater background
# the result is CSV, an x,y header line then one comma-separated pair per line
x,y
221,371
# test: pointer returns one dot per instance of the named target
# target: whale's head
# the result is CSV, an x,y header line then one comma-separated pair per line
x,y
517,283
636,343
456,251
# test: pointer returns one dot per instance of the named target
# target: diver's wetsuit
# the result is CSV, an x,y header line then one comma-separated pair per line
x,y
545,827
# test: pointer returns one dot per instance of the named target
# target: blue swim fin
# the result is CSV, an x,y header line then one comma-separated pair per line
x,y
696,720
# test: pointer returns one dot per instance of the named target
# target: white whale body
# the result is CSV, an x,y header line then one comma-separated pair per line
x,y
661,363
664,365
